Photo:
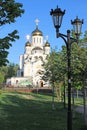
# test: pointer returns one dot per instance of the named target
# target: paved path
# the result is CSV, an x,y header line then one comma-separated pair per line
x,y
80,109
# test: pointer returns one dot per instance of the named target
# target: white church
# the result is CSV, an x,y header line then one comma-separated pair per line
x,y
31,62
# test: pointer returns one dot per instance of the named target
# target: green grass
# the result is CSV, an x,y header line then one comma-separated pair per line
x,y
79,101
30,111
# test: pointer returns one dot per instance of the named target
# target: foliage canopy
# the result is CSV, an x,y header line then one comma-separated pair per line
x,y
9,11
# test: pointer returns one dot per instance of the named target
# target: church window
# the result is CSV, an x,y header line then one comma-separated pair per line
x,y
40,40
41,58
30,58
22,74
16,81
34,40
37,40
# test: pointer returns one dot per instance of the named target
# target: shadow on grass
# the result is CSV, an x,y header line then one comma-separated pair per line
x,y
32,113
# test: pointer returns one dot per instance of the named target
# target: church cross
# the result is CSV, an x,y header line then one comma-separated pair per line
x,y
37,21
47,38
28,37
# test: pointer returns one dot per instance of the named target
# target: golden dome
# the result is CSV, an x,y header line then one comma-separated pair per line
x,y
47,44
37,32
28,44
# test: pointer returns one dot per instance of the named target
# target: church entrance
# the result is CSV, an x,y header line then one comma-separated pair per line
x,y
41,84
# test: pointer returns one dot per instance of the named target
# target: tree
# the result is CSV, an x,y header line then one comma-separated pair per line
x,y
55,71
9,11
56,66
1,77
12,70
8,71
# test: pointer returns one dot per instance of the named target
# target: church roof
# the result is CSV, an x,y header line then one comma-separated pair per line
x,y
37,32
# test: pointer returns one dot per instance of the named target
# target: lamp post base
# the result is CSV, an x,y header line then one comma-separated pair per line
x,y
69,120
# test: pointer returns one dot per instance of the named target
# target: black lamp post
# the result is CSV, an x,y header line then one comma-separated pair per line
x,y
57,16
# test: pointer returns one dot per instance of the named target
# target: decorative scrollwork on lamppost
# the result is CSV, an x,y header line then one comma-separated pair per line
x,y
57,16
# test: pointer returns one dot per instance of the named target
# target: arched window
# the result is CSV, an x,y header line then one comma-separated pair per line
x,y
22,74
34,40
41,58
40,40
37,39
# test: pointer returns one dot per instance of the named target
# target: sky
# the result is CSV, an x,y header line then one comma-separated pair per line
x,y
40,9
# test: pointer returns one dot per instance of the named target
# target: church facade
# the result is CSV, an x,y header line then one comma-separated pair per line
x,y
31,62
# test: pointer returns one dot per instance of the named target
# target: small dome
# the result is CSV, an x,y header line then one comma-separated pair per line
x,y
47,44
28,44
37,32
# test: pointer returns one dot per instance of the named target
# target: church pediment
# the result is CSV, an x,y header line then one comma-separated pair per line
x,y
37,48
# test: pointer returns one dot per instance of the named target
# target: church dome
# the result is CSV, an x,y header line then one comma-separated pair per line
x,y
28,44
47,44
37,32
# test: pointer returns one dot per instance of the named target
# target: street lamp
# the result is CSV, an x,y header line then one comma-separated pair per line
x,y
57,16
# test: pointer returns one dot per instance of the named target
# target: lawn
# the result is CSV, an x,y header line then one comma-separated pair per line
x,y
30,111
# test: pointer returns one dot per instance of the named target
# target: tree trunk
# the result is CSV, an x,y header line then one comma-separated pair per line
x,y
53,106
84,105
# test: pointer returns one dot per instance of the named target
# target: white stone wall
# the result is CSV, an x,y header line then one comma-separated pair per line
x,y
21,62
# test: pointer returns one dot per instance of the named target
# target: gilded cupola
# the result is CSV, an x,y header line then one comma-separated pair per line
x,y
28,44
37,32
47,44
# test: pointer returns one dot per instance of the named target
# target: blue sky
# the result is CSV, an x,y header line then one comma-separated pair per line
x,y
41,9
